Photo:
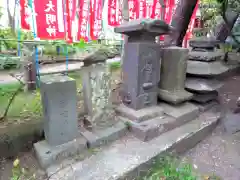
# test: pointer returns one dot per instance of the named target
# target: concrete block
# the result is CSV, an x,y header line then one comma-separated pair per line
x,y
48,155
183,112
104,136
139,115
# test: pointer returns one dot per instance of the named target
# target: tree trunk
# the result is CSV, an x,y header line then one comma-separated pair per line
x,y
11,18
180,21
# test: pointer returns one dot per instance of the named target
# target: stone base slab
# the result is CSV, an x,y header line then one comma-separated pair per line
x,y
48,155
104,136
183,112
139,115
150,129
175,97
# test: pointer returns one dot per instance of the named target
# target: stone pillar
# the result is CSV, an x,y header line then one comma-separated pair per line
x,y
100,124
173,75
140,78
62,136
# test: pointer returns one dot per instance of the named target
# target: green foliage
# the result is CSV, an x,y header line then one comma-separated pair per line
x,y
115,66
169,168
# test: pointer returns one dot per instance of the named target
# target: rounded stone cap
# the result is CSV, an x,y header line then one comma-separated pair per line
x,y
206,42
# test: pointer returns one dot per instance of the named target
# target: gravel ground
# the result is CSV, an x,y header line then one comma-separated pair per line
x,y
219,153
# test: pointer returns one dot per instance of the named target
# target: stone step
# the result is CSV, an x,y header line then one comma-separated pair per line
x,y
200,68
202,85
126,157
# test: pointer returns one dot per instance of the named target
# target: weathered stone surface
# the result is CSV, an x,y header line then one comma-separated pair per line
x,y
204,42
183,112
139,115
173,75
206,97
104,136
204,56
125,158
206,106
202,85
48,155
59,101
96,91
232,122
206,68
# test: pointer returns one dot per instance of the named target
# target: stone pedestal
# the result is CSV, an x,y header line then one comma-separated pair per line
x,y
100,125
62,136
173,75
140,75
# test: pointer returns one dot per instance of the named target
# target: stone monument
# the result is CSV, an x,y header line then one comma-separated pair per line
x,y
62,136
100,124
173,75
204,66
141,75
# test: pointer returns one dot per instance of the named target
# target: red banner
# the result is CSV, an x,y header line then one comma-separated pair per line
x,y
83,20
112,13
95,18
133,7
68,22
142,9
156,10
24,14
47,19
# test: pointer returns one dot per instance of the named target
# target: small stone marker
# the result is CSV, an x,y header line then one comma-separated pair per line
x,y
61,131
173,75
140,75
60,109
100,125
